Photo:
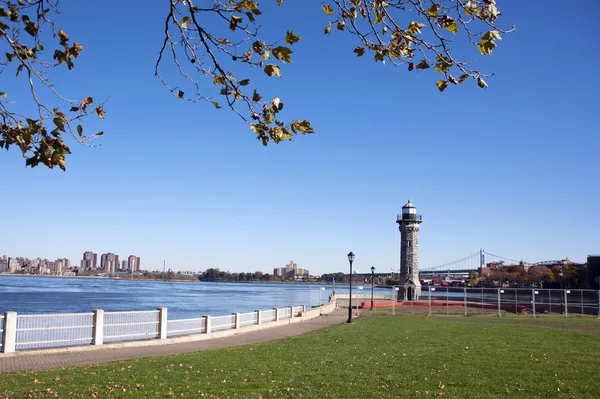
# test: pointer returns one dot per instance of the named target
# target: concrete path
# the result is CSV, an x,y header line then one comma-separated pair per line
x,y
37,361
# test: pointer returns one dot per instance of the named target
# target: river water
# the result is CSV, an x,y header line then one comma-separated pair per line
x,y
35,294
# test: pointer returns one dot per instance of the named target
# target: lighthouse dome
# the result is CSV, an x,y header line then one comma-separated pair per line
x,y
409,208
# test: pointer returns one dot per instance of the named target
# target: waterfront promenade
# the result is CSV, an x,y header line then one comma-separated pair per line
x,y
39,360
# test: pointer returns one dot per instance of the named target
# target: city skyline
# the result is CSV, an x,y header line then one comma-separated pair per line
x,y
512,168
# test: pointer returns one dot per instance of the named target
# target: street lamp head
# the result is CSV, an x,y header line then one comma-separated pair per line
x,y
372,269
351,257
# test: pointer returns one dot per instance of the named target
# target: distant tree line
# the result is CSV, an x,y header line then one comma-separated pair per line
x,y
573,276
220,275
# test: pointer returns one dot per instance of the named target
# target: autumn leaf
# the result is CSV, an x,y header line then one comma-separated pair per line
x,y
291,38
282,53
327,8
272,70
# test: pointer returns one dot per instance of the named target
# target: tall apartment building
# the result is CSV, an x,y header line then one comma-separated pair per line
x,y
109,262
290,270
133,263
89,261
58,267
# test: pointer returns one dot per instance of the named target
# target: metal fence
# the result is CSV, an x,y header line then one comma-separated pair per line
x,y
285,313
535,302
53,330
223,322
128,326
267,315
297,309
98,327
247,319
186,327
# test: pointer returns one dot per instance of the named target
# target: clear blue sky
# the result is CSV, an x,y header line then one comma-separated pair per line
x,y
513,169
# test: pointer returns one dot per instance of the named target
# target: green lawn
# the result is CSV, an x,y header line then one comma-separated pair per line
x,y
379,356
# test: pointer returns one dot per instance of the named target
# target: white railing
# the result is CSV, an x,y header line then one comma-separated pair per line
x,y
267,315
1,332
127,326
297,309
52,330
223,322
284,313
21,332
186,327
247,319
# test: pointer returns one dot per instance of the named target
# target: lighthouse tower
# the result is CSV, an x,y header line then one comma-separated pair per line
x,y
408,223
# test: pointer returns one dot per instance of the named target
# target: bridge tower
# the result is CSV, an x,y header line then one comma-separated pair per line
x,y
408,224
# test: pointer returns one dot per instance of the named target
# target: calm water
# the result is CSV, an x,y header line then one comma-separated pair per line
x,y
25,294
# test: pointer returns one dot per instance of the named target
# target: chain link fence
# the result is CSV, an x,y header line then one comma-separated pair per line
x,y
535,302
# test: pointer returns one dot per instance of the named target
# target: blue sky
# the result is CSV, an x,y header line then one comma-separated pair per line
x,y
512,169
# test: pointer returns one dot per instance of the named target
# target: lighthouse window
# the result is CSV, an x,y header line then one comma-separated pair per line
x,y
410,243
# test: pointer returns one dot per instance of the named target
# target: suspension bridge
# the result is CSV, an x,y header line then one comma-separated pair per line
x,y
463,267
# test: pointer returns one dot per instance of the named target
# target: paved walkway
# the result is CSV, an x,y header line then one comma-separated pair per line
x,y
37,361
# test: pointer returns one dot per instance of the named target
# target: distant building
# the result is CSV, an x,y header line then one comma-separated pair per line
x,y
109,262
124,265
133,263
593,262
89,261
290,270
59,266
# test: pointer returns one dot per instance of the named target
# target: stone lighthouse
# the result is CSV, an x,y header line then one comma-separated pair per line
x,y
408,223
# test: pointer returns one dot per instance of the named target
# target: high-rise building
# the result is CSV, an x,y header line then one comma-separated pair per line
x,y
138,263
67,263
408,224
124,265
133,263
109,262
290,270
89,261
59,266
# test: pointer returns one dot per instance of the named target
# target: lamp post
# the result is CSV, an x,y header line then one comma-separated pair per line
x,y
350,259
560,278
372,285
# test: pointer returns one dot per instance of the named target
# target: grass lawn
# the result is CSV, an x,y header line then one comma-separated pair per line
x,y
378,357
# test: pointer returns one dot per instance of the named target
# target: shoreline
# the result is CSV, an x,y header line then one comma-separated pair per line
x,y
177,280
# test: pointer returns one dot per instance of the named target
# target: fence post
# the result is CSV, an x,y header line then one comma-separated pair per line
x,y
499,307
465,300
162,323
207,324
258,317
429,300
291,312
582,312
9,336
599,304
533,300
276,311
566,303
98,327
303,309
236,320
